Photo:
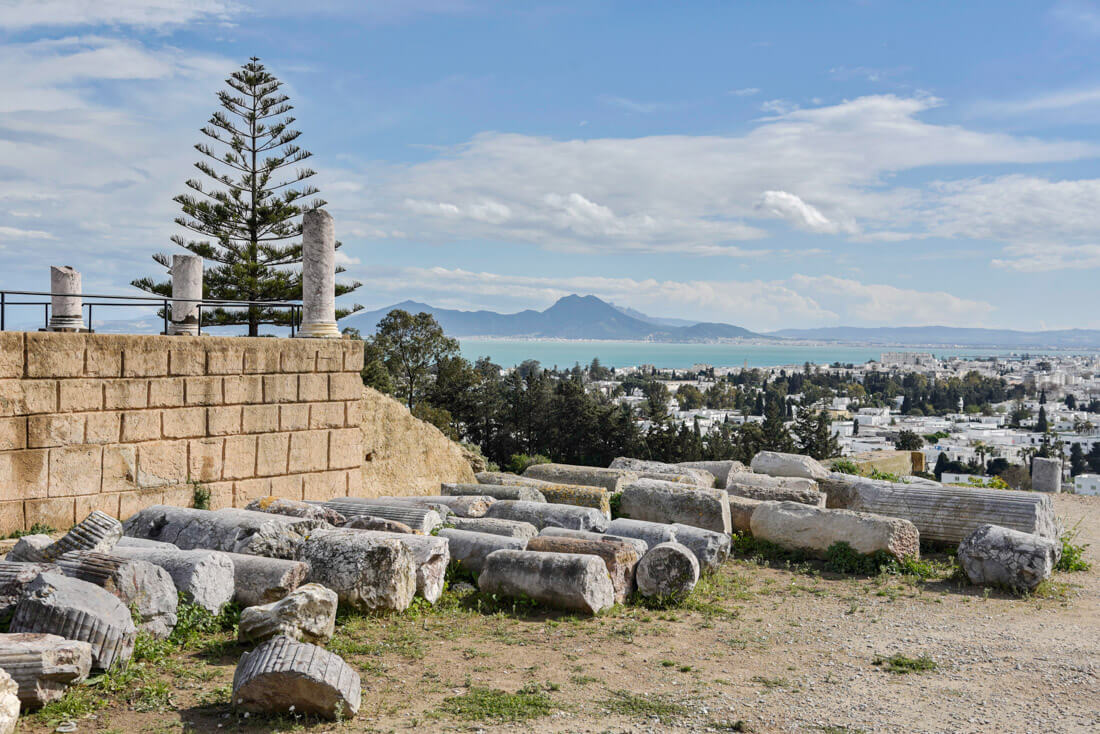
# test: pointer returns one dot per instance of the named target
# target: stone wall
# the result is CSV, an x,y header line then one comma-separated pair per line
x,y
117,423
404,455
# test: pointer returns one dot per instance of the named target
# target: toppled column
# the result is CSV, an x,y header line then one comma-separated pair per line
x,y
721,470
307,614
318,275
637,543
993,555
431,556
97,532
14,577
710,548
653,533
775,489
597,498
147,590
295,508
666,472
29,548
668,502
507,479
561,580
419,519
461,505
368,570
66,303
43,665
495,526
262,580
76,610
797,526
587,476
741,509
127,542
186,294
204,577
779,464
619,557
521,492
942,512
667,571
1046,475
547,515
470,549
370,522
285,676
229,529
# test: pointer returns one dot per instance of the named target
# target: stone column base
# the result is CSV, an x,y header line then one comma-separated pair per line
x,y
319,330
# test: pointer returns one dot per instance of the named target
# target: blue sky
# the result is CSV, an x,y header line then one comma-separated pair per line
x,y
766,164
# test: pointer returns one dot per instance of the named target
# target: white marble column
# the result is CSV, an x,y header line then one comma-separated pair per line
x,y
318,275
186,286
66,304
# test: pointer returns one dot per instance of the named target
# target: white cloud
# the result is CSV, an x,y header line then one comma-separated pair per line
x,y
1037,258
8,234
800,300
630,105
745,92
1060,100
22,14
787,206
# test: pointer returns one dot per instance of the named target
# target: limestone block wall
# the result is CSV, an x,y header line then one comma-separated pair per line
x,y
118,423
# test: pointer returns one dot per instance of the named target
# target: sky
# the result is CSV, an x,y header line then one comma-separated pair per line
x,y
769,165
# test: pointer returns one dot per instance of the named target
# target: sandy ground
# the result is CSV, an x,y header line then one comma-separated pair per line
x,y
759,648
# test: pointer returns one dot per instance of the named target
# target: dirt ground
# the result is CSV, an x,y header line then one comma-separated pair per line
x,y
758,647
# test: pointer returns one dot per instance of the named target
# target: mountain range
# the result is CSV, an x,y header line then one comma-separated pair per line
x,y
588,317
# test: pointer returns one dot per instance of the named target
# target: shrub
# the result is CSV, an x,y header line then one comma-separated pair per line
x,y
518,463
201,497
1073,554
845,466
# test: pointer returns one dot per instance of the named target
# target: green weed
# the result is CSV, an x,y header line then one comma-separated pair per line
x,y
643,706
902,664
481,704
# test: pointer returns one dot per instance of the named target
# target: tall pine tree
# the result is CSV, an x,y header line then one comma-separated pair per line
x,y
250,210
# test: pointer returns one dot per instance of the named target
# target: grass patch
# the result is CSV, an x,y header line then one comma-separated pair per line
x,y
484,704
902,664
36,529
626,703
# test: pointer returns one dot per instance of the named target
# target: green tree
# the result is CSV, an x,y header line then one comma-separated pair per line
x,y
1041,423
774,433
826,441
1077,463
411,347
908,441
249,212
690,397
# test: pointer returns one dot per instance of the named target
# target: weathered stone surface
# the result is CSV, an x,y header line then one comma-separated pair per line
x,y
547,515
470,549
286,676
368,570
507,479
741,509
494,526
776,489
637,543
43,665
653,533
97,532
421,520
14,577
798,526
1046,475
667,570
129,542
261,580
587,476
76,610
370,522
431,556
710,548
9,703
28,549
562,580
993,555
619,557
778,464
229,529
942,512
667,472
307,614
460,505
659,501
295,508
597,498
720,469
496,491
147,590
204,577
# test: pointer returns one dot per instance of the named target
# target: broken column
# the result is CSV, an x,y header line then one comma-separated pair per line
x,y
994,555
186,294
97,532
295,508
204,577
66,304
619,557
797,526
431,556
262,580
496,491
668,472
76,610
418,518
561,580
711,549
668,502
495,526
779,464
547,515
14,577
307,614
43,665
638,544
574,494
1046,475
775,489
318,276
721,470
653,533
285,676
146,589
588,476
470,549
368,570
667,571
228,529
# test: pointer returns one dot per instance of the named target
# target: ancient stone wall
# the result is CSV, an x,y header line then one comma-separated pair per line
x,y
118,423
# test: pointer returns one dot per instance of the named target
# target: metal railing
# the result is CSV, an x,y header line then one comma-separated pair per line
x,y
163,302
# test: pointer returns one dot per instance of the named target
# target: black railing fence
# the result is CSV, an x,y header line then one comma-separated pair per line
x,y
9,299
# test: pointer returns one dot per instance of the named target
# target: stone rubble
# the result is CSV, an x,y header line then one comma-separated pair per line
x,y
283,675
43,665
147,590
228,529
307,614
996,556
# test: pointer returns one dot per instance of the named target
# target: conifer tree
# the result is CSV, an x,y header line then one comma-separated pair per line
x,y
250,210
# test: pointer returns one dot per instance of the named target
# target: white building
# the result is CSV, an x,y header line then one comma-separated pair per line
x,y
1087,484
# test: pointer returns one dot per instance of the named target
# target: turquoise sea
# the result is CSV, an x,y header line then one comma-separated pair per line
x,y
508,353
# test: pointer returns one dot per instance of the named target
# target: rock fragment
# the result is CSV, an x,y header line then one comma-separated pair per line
x,y
204,577
286,676
667,571
996,556
43,665
470,549
147,590
368,570
306,614
561,580
800,527
28,549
